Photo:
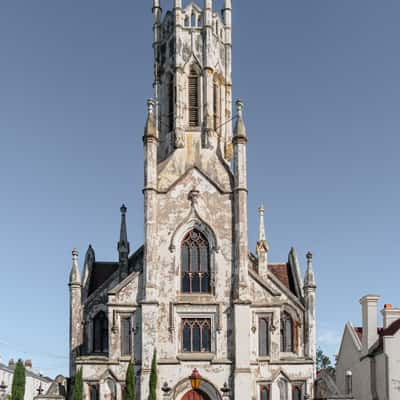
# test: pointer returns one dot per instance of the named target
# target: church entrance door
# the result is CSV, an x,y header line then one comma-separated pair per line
x,y
195,395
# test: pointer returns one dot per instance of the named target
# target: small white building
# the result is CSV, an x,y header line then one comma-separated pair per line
x,y
35,381
369,356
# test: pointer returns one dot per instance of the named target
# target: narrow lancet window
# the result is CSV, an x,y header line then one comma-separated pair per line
x,y
263,338
100,333
286,333
126,336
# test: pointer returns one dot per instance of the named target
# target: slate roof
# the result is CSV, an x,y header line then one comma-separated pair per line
x,y
103,270
392,329
100,273
28,372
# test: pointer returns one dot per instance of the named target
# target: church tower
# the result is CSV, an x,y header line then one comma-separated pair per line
x,y
194,198
220,322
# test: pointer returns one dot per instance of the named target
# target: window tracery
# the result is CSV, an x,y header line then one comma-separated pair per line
x,y
195,263
196,335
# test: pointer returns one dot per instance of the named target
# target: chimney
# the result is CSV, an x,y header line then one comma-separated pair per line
x,y
369,305
28,364
390,315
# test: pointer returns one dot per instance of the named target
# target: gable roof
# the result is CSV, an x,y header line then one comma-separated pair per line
x,y
284,274
100,273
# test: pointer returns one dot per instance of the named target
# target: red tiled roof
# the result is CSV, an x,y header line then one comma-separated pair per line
x,y
359,331
281,271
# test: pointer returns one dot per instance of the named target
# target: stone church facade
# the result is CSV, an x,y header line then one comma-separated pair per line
x,y
194,293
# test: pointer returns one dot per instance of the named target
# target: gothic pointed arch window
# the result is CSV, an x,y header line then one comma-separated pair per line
x,y
100,333
195,263
283,389
286,333
194,98
196,335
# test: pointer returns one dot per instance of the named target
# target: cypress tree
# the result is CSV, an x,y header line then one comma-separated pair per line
x,y
18,383
153,378
130,383
77,390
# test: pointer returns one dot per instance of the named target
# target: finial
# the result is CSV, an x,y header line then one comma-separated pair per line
x,y
261,231
239,108
75,276
262,244
309,279
177,4
240,129
150,128
123,244
156,3
150,106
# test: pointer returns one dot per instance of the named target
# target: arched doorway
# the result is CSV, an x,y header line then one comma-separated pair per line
x,y
195,395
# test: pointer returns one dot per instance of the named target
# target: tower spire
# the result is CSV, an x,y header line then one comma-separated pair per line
x,y
123,245
310,306
261,229
262,244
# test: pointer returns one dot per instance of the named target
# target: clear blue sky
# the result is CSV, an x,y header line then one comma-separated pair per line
x,y
321,84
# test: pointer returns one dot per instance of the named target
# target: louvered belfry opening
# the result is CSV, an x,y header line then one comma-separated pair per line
x,y
194,103
195,263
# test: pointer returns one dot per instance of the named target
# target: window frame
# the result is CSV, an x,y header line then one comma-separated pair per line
x,y
300,386
268,388
123,318
267,318
94,387
201,322
287,322
102,331
188,274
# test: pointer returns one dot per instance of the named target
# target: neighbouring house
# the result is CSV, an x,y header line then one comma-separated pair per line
x,y
368,363
243,328
35,381
326,388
